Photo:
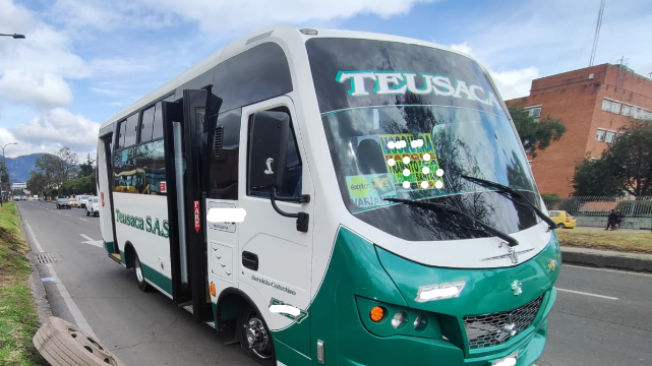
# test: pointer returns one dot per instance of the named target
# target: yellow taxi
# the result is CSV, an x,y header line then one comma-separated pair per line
x,y
563,219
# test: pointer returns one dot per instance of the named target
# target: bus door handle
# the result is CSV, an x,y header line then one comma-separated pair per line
x,y
250,260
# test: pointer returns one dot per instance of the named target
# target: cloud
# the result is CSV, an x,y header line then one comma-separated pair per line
x,y
42,89
515,83
58,127
219,16
511,83
33,70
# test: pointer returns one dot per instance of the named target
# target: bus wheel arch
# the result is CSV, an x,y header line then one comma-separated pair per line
x,y
133,261
236,310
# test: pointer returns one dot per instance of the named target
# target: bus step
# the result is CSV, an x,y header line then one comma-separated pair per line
x,y
116,257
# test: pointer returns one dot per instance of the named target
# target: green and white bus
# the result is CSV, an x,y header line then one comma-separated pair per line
x,y
391,214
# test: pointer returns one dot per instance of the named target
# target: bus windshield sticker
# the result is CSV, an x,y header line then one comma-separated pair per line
x,y
370,190
411,158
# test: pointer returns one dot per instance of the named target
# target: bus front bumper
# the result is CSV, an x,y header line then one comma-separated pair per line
x,y
409,351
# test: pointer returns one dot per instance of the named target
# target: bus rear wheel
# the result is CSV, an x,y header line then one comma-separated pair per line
x,y
255,337
140,276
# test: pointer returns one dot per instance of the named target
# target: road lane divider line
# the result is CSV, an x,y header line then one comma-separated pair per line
x,y
83,219
90,241
68,215
77,315
587,294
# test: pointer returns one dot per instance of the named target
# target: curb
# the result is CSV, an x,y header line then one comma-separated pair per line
x,y
43,308
607,259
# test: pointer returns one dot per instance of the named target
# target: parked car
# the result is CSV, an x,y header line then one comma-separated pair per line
x,y
63,203
93,206
563,219
73,202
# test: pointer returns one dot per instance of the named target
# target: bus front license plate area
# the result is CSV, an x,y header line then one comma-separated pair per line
x,y
506,361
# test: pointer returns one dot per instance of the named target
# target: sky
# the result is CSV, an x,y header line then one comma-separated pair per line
x,y
84,60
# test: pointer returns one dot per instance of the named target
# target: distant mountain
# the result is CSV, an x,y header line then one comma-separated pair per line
x,y
20,166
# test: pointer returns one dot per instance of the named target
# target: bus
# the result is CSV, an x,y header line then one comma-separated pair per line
x,y
391,216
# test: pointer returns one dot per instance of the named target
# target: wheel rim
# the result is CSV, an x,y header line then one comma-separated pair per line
x,y
139,271
258,337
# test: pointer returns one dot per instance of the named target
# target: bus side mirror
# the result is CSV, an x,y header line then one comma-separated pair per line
x,y
268,141
268,160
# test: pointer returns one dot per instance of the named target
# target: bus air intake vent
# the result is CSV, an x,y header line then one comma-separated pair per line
x,y
493,329
217,141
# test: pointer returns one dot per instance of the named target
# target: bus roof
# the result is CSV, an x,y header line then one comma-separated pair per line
x,y
240,45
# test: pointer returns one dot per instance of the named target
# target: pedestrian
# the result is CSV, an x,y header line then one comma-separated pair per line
x,y
621,217
612,220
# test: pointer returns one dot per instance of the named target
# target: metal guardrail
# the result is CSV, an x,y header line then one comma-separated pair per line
x,y
594,206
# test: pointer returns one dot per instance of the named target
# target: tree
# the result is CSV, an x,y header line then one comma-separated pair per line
x,y
86,168
37,182
54,170
536,135
68,164
631,154
597,177
626,165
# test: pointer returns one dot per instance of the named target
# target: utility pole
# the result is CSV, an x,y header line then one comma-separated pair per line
x,y
597,32
4,163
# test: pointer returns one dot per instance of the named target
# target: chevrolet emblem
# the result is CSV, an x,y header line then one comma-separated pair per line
x,y
512,254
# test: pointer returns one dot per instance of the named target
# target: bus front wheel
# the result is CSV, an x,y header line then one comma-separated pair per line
x,y
140,277
255,337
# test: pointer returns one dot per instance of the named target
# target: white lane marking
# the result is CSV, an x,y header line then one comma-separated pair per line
x,y
70,303
68,215
83,219
587,294
91,241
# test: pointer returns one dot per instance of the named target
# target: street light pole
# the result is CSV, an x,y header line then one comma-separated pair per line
x,y
4,163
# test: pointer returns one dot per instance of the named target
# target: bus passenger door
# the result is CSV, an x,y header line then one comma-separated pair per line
x,y
275,243
185,135
105,181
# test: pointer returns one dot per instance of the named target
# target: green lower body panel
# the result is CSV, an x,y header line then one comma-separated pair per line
x,y
157,278
361,276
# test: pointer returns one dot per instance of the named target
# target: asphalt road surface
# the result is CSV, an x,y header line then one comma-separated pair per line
x,y
601,317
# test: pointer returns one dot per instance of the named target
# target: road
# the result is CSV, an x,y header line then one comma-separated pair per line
x,y
601,317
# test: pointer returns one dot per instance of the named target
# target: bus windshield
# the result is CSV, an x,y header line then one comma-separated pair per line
x,y
406,121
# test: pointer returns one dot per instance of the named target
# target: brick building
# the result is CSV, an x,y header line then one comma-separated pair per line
x,y
593,103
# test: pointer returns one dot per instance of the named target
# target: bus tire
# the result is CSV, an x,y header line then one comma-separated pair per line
x,y
140,275
62,343
251,326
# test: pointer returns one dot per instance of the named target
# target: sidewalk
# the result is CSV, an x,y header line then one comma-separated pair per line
x,y
607,259
621,230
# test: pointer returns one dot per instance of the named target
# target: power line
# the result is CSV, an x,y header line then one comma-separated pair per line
x,y
597,32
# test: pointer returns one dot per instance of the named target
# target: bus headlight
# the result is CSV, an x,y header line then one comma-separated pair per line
x,y
399,319
386,320
420,323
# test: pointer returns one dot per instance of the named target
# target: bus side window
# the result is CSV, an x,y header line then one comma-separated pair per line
x,y
224,157
146,125
120,139
293,169
131,130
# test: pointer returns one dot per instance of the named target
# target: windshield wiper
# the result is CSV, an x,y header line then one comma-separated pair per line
x,y
513,195
447,208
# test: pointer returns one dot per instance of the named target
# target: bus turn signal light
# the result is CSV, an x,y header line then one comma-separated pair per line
x,y
377,313
212,289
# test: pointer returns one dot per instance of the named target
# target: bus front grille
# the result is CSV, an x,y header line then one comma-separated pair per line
x,y
493,329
